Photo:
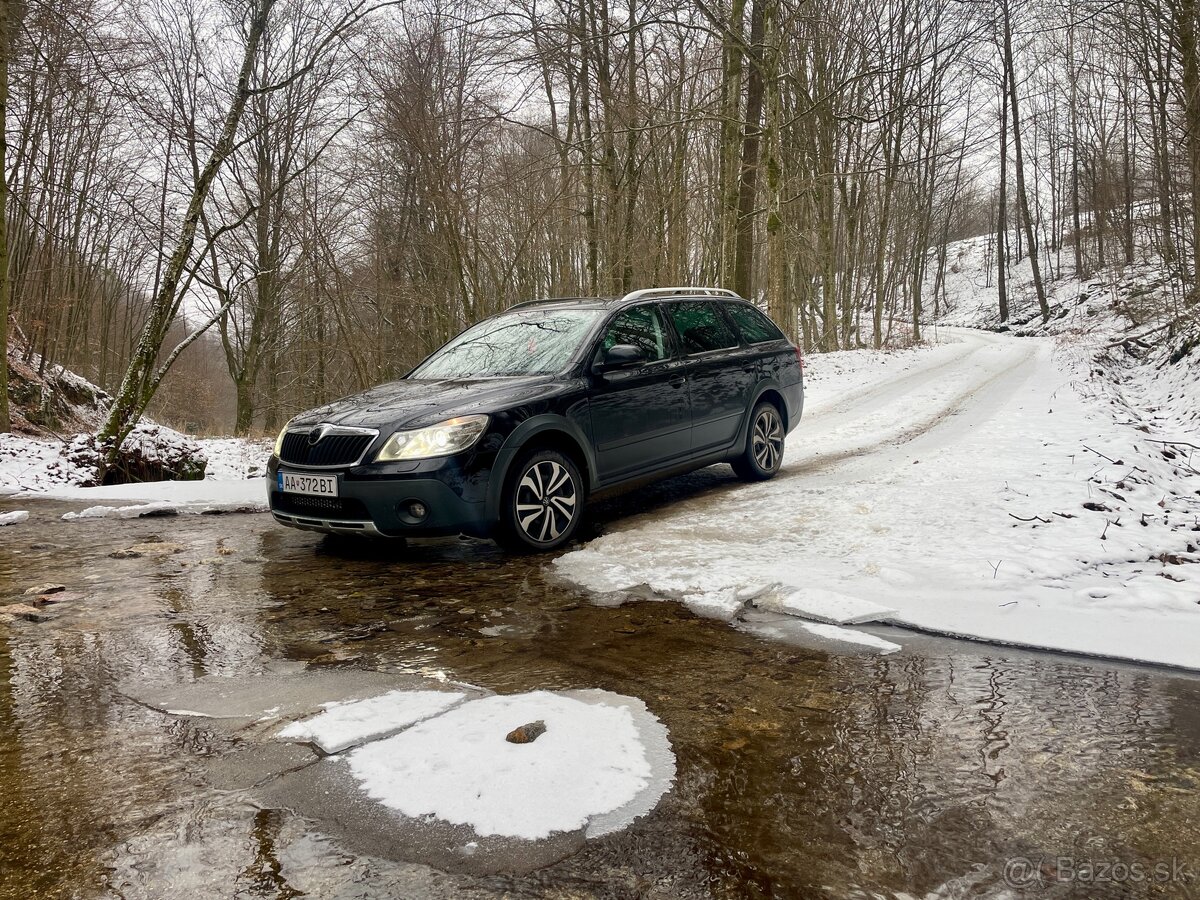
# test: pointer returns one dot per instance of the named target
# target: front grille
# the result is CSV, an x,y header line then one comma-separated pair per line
x,y
319,507
332,450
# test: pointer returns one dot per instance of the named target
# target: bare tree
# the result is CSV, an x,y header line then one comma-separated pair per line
x,y
6,11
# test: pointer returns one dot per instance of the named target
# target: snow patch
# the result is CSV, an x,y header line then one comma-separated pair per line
x,y
181,496
591,762
235,459
347,724
788,630
827,606
12,518
121,512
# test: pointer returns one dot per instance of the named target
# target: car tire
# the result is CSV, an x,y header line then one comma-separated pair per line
x,y
763,454
542,503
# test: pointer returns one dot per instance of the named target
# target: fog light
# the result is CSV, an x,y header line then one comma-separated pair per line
x,y
417,510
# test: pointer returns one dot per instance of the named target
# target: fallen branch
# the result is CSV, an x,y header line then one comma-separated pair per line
x,y
1144,334
1175,443
1031,519
1102,456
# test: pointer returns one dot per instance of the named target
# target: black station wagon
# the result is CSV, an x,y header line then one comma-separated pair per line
x,y
508,429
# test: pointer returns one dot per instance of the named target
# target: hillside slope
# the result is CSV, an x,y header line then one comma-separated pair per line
x,y
51,402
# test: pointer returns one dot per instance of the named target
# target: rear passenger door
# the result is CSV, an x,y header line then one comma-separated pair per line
x,y
721,373
640,416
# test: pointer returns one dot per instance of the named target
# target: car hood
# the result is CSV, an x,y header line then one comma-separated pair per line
x,y
415,403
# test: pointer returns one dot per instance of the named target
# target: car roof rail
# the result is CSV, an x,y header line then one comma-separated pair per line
x,y
541,300
642,293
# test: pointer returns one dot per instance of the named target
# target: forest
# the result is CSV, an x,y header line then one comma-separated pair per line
x,y
221,211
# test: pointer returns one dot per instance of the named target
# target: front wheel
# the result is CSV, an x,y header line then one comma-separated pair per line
x,y
764,445
542,503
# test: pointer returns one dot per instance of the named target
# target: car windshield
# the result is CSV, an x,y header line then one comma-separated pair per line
x,y
525,342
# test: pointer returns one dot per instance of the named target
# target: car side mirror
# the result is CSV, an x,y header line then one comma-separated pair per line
x,y
622,356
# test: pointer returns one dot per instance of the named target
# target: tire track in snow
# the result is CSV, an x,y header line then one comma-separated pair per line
x,y
966,384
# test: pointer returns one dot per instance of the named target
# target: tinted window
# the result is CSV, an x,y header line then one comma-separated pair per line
x,y
753,326
701,327
525,342
640,327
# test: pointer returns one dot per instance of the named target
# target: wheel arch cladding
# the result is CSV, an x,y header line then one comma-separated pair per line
x,y
540,433
772,396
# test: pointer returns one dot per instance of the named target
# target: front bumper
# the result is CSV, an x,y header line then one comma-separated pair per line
x,y
374,504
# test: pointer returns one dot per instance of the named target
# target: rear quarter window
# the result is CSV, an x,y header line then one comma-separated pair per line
x,y
752,325
700,327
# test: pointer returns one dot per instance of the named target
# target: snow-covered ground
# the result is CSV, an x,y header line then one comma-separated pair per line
x,y
32,468
61,469
984,486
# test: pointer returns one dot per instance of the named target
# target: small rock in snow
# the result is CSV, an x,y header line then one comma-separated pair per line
x,y
45,589
527,733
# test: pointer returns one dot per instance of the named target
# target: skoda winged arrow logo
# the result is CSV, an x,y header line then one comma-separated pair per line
x,y
318,434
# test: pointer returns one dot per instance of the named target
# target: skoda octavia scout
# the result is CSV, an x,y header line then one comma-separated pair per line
x,y
511,427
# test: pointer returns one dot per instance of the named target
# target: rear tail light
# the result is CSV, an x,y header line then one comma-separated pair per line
x,y
799,354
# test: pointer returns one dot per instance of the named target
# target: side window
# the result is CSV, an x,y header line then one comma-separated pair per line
x,y
754,327
640,326
701,327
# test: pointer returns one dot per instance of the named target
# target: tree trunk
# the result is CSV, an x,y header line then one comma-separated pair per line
x,y
1073,112
1189,53
730,149
1002,212
244,415
591,224
778,304
1018,160
743,277
6,11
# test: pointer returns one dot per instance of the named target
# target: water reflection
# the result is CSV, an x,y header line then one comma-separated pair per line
x,y
800,773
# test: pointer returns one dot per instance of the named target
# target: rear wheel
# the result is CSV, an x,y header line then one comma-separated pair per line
x,y
763,454
542,503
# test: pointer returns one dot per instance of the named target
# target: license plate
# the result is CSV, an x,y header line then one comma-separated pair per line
x,y
317,485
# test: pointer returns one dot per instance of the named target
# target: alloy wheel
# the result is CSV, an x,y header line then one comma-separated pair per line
x,y
767,440
546,501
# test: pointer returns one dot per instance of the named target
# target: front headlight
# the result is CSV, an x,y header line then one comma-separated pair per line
x,y
282,435
442,439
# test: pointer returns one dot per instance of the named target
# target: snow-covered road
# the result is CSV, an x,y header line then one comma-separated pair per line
x,y
943,489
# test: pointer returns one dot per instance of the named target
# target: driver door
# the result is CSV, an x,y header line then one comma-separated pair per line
x,y
641,420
